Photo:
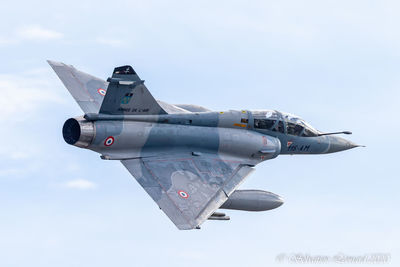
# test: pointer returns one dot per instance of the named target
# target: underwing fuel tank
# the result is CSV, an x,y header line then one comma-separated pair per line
x,y
78,132
252,200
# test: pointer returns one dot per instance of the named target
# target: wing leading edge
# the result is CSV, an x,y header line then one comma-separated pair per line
x,y
188,188
87,90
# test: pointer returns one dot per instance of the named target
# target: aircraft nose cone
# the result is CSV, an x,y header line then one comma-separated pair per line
x,y
337,144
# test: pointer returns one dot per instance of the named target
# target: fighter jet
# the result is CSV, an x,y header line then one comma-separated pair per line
x,y
189,159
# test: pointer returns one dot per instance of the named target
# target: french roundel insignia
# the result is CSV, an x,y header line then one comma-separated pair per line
x,y
109,141
183,194
101,91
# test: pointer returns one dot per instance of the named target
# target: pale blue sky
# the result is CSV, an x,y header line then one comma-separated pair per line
x,y
334,63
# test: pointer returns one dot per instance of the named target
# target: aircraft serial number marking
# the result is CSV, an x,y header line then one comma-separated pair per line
x,y
299,148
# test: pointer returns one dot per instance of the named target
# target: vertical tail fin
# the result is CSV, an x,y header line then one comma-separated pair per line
x,y
127,95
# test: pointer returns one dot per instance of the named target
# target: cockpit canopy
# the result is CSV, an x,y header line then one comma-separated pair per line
x,y
283,122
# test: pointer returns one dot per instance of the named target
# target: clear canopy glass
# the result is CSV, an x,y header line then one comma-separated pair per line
x,y
277,121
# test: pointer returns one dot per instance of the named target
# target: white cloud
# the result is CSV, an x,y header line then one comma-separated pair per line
x,y
110,42
17,155
80,184
7,41
32,33
24,95
10,172
38,33
24,98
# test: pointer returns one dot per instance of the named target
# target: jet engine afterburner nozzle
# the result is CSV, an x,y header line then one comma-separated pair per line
x,y
78,132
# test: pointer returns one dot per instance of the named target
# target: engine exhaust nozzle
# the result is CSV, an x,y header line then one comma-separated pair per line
x,y
78,132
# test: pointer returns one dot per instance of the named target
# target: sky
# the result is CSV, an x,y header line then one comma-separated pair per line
x,y
334,63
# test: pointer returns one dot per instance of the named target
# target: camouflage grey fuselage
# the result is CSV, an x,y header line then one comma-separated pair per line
x,y
189,159
231,132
